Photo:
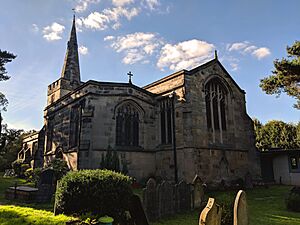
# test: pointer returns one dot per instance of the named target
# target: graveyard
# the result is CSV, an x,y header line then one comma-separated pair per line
x,y
265,206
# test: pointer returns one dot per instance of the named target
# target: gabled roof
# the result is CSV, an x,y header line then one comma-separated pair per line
x,y
192,71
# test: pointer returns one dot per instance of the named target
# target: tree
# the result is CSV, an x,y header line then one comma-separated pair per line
x,y
5,57
275,134
286,76
10,145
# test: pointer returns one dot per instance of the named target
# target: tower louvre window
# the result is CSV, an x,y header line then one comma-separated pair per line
x,y
127,126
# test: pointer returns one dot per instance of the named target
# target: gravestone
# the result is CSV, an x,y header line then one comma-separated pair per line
x,y
211,214
240,212
9,173
248,181
165,199
150,200
198,192
136,211
183,196
46,186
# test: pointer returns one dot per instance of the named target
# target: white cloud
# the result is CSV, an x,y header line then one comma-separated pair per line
x,y
108,38
53,32
247,48
35,28
185,55
237,46
121,2
261,53
136,46
108,17
151,4
83,4
83,50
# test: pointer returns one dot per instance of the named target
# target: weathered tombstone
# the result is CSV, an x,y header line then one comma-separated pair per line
x,y
150,200
9,173
211,214
136,211
198,192
46,186
248,181
165,199
240,212
183,196
47,177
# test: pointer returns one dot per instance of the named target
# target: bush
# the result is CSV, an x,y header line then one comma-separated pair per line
x,y
16,165
101,192
293,199
33,175
60,167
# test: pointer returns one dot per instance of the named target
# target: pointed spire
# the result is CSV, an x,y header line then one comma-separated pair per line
x,y
216,54
71,70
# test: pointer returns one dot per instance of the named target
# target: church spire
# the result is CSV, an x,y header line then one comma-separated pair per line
x,y
71,69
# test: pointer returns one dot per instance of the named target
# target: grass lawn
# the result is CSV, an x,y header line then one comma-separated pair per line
x,y
17,215
266,207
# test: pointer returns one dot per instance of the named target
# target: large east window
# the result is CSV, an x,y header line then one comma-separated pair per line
x,y
216,99
127,125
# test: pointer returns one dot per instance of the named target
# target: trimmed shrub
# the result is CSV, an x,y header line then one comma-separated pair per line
x,y
60,167
101,192
293,199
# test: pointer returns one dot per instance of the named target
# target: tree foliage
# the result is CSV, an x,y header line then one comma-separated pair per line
x,y
10,145
276,134
5,57
286,76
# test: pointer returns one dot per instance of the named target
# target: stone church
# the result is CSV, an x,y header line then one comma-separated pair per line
x,y
203,109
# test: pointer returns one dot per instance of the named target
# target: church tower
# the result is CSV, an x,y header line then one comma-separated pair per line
x,y
70,74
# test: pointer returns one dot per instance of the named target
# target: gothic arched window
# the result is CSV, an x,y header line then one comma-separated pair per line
x,y
127,130
215,99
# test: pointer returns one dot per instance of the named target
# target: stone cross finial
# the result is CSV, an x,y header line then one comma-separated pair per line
x,y
129,75
216,54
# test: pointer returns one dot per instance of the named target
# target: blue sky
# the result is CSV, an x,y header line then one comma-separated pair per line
x,y
151,38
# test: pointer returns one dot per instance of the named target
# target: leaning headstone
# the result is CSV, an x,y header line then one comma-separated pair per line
x,y
198,192
240,212
165,199
136,211
183,196
150,200
211,214
248,181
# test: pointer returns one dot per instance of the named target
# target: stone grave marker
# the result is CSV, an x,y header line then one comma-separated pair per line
x,y
198,192
47,176
211,214
150,200
183,196
136,211
165,199
240,211
9,173
46,186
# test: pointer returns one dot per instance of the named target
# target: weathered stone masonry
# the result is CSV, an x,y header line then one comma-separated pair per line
x,y
214,134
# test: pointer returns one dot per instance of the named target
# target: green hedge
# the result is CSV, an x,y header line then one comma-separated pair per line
x,y
101,192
